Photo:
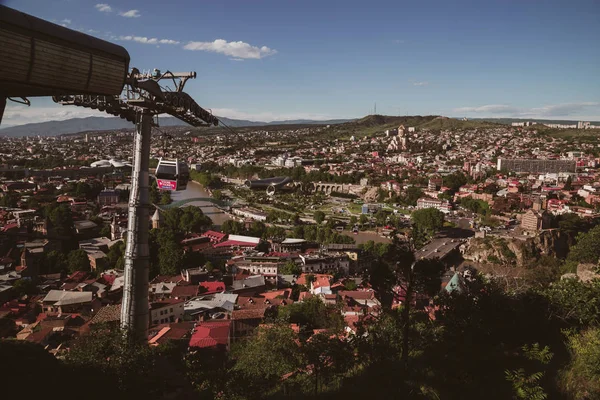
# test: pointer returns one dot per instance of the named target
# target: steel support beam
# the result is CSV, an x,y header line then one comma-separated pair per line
x,y
134,308
2,107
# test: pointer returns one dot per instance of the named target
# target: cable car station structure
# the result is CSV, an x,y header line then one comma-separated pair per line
x,y
39,58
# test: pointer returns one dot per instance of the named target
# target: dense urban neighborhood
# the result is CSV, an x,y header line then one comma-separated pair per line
x,y
314,260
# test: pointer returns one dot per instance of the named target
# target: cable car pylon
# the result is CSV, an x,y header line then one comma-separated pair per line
x,y
142,99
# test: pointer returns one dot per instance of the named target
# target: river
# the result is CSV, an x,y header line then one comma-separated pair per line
x,y
195,190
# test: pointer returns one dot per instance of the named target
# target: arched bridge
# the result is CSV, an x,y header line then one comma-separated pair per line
x,y
181,203
327,188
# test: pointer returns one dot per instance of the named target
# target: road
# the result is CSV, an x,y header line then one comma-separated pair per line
x,y
438,248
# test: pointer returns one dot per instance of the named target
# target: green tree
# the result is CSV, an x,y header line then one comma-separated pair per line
x,y
257,229
587,249
209,266
165,197
53,261
10,199
206,369
115,257
23,354
412,194
311,314
154,193
274,232
170,255
105,231
77,260
290,268
573,302
398,268
363,219
232,227
82,189
350,284
25,287
328,357
217,194
455,181
428,220
264,359
134,368
580,379
526,385
192,219
568,183
319,217
381,217
61,219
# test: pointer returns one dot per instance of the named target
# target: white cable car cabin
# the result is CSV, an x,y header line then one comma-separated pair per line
x,y
172,174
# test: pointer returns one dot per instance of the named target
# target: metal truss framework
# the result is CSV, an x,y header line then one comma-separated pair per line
x,y
143,92
142,98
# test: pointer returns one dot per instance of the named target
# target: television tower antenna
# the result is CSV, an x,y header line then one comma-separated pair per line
x,y
142,98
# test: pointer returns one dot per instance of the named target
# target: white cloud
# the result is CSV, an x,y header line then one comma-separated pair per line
x,y
590,109
234,49
267,116
145,40
398,41
566,109
489,109
16,114
130,14
236,59
103,7
168,41
420,83
66,21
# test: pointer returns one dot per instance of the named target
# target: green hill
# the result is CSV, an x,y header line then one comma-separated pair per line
x,y
374,124
440,123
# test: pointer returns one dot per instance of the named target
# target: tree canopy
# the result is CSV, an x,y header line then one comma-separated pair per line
x,y
77,260
427,220
587,249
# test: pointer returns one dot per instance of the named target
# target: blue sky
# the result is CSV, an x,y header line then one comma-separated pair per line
x,y
273,60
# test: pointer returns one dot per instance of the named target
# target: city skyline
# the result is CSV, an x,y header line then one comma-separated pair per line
x,y
278,61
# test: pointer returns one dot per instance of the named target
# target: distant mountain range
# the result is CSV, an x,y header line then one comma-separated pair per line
x,y
539,121
75,125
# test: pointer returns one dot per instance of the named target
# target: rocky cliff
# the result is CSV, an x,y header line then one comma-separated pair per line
x,y
517,252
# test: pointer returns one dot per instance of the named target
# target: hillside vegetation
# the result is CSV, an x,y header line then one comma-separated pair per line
x,y
440,123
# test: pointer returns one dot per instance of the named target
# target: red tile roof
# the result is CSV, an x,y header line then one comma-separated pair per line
x,y
321,281
211,333
231,243
302,278
218,236
285,294
174,331
252,313
358,294
40,336
167,278
213,287
184,291
78,276
304,296
164,303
